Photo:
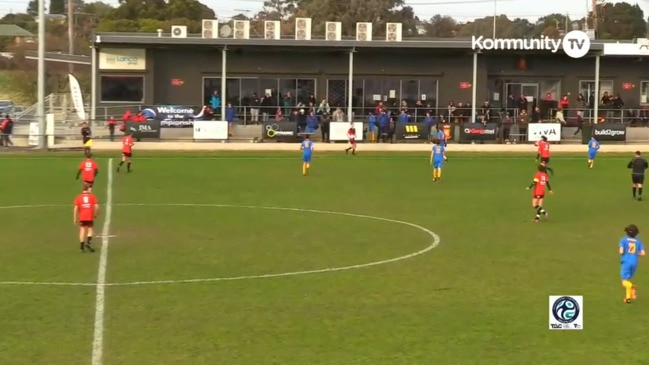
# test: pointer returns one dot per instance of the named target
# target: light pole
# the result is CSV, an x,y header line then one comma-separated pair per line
x,y
495,13
40,111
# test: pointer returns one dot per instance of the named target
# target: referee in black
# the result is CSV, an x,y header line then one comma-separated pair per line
x,y
638,166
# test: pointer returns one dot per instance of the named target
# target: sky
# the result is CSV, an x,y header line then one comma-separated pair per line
x,y
459,9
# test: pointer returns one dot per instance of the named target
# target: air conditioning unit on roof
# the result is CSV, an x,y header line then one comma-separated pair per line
x,y
272,29
333,31
364,32
210,28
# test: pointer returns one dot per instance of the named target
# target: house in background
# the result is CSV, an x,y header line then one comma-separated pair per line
x,y
18,34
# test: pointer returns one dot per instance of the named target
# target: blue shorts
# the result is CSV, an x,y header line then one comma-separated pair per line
x,y
310,130
371,127
591,155
437,164
627,271
306,158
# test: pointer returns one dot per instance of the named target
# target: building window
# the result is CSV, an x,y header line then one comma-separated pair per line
x,y
120,89
644,92
587,88
232,90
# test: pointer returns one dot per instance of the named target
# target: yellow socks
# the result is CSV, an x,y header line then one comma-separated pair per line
x,y
628,286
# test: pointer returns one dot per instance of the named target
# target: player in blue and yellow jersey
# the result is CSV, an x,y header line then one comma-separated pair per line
x,y
437,158
593,147
630,248
307,153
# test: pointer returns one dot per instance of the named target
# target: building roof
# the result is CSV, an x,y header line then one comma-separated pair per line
x,y
12,30
140,39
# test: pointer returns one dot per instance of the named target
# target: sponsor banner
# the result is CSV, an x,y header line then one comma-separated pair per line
x,y
34,131
122,59
478,132
149,129
210,129
77,97
610,132
174,116
411,131
552,131
338,131
281,132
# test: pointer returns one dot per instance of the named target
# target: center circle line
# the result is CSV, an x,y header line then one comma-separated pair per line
x,y
436,240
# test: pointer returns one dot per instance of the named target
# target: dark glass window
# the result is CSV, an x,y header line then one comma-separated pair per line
x,y
122,89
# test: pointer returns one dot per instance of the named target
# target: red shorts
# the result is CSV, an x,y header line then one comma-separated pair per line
x,y
88,182
86,224
539,196
127,154
352,141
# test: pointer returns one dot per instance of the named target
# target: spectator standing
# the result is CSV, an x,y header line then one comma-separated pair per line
x,y
288,102
230,116
255,105
215,101
7,128
311,123
523,121
325,120
371,127
536,115
111,128
564,105
324,107
507,127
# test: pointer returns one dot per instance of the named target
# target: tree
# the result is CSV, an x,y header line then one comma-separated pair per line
x,y
32,7
98,9
57,6
552,25
505,27
441,26
620,21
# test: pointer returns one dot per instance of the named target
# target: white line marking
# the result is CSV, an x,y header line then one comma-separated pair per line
x,y
435,242
98,338
404,156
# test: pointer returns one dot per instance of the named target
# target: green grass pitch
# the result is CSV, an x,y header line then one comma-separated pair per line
x,y
479,297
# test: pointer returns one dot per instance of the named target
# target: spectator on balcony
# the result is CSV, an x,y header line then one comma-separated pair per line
x,y
564,105
323,108
522,104
507,127
255,108
379,108
288,102
511,105
384,124
311,123
523,121
606,100
338,115
215,101
486,111
580,122
536,115
403,117
311,100
278,115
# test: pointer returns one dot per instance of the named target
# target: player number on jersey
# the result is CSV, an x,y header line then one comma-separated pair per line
x,y
88,165
86,200
632,248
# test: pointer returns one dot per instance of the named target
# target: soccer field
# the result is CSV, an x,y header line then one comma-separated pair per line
x,y
236,258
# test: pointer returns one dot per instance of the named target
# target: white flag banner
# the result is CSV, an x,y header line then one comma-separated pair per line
x,y
77,97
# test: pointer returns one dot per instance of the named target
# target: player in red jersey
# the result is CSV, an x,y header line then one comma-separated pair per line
x,y
351,135
88,170
539,183
86,209
544,153
127,152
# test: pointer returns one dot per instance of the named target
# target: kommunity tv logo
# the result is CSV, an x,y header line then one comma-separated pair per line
x,y
575,44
